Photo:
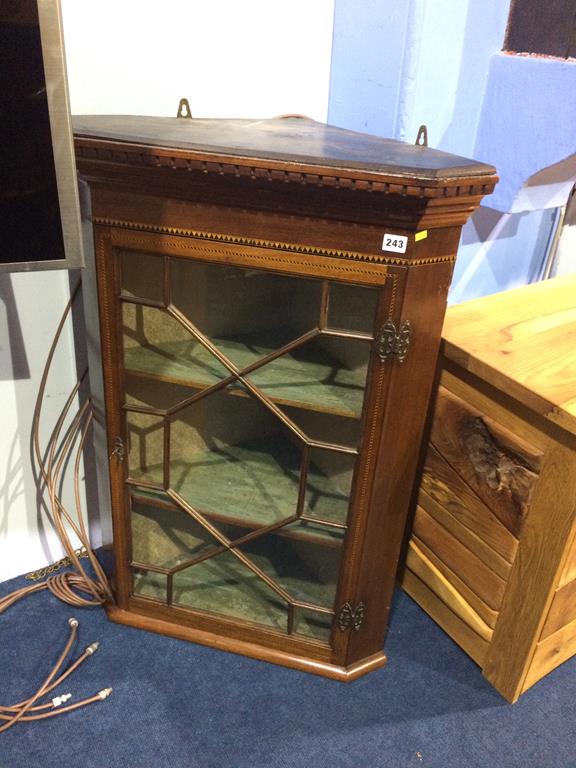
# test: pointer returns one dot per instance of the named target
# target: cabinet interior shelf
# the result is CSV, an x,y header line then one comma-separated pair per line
x,y
223,585
311,380
253,485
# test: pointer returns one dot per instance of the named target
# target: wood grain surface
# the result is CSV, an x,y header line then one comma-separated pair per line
x,y
303,202
523,342
474,645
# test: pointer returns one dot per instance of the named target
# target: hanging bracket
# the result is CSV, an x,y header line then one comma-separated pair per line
x,y
422,137
184,109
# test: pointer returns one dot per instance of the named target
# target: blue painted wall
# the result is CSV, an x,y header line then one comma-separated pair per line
x,y
399,63
367,54
528,122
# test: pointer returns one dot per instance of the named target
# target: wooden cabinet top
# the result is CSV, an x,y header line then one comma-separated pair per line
x,y
523,342
282,147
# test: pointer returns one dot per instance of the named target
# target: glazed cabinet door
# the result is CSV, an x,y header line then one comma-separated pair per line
x,y
240,415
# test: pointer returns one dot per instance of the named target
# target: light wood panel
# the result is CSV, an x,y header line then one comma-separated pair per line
x,y
465,536
551,652
569,570
424,568
445,486
499,468
534,576
522,342
562,611
474,645
487,614
472,571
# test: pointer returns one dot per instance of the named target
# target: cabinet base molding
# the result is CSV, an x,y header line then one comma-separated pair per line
x,y
244,648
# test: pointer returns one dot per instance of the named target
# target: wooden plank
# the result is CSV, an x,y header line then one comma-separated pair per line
x,y
498,467
534,575
474,645
523,342
465,564
465,535
325,384
569,570
257,482
496,404
427,572
562,611
445,486
487,614
550,653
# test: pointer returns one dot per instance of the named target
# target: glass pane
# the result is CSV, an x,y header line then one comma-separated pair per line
x,y
232,459
352,308
156,345
326,375
223,585
142,275
328,485
306,571
326,427
240,531
146,391
149,584
163,535
246,312
313,624
145,447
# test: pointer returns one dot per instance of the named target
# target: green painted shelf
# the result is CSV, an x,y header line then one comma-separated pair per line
x,y
308,378
224,586
253,485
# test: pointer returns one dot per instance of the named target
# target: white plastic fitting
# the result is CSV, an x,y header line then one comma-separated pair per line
x,y
105,693
58,700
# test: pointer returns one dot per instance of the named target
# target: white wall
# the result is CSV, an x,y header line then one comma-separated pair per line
x,y
30,309
230,58
253,58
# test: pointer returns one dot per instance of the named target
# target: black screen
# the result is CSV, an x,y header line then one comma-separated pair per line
x,y
30,226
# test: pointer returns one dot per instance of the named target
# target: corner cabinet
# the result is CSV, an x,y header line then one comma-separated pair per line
x,y
271,298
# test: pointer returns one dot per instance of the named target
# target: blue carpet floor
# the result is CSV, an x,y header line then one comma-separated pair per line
x,y
180,705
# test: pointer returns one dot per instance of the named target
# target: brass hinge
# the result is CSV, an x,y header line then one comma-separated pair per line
x,y
118,449
351,618
390,342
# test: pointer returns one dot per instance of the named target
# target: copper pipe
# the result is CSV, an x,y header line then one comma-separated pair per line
x,y
12,720
68,586
61,710
72,668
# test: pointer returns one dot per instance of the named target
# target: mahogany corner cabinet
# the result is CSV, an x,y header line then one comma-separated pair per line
x,y
271,296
